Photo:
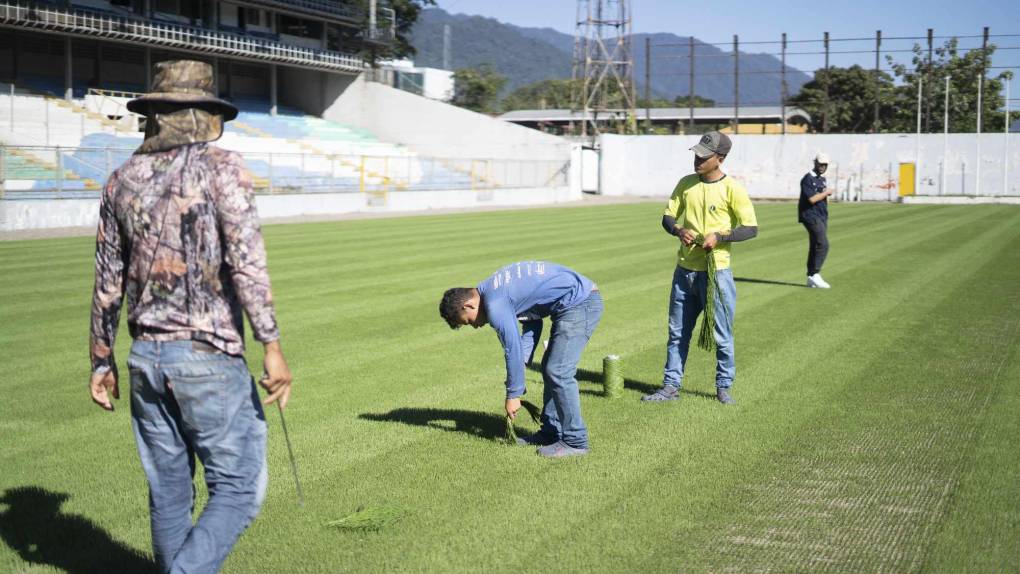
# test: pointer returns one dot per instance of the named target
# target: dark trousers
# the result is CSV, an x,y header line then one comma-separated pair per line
x,y
818,244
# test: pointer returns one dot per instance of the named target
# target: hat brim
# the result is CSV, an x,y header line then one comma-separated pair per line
x,y
141,104
702,151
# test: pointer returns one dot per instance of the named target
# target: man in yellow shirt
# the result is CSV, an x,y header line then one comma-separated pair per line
x,y
707,212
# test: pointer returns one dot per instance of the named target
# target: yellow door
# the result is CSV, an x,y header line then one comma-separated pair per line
x,y
906,179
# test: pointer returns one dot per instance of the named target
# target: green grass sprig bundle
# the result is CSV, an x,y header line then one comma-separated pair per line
x,y
706,338
370,519
511,432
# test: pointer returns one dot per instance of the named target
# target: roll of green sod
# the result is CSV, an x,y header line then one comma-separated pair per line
x,y
612,377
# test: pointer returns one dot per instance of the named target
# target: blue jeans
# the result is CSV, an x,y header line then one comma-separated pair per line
x,y
189,400
571,329
686,301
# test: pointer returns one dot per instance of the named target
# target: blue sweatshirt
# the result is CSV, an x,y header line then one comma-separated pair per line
x,y
528,290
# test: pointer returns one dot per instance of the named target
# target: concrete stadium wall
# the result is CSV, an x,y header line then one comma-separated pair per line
x,y
772,166
434,128
18,215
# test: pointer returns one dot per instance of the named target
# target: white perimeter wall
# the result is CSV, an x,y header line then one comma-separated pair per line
x,y
772,166
42,214
435,128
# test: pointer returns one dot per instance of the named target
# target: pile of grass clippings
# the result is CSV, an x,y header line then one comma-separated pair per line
x,y
367,519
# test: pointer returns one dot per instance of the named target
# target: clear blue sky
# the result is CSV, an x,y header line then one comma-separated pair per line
x,y
758,20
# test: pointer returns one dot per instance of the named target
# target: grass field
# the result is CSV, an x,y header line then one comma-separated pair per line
x,y
877,427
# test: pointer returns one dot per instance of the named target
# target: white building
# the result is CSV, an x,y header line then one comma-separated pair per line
x,y
432,83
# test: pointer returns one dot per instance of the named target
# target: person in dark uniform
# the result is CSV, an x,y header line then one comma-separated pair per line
x,y
813,213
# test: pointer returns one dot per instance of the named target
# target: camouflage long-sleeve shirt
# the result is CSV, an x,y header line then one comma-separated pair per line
x,y
179,235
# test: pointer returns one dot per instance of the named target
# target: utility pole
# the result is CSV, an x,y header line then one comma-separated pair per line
x,y
603,64
447,48
648,84
783,87
878,51
372,18
917,141
945,140
736,84
981,79
1005,134
928,80
977,173
981,87
691,90
825,108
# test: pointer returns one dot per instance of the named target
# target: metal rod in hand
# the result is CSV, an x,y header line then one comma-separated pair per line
x,y
290,451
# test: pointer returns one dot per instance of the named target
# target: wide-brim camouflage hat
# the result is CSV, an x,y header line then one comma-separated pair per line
x,y
185,83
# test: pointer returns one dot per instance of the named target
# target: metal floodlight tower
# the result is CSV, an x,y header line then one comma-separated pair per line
x,y
603,71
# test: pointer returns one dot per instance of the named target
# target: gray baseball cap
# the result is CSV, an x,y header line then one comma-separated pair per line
x,y
712,143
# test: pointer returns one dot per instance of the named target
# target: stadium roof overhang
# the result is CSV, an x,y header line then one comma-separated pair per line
x,y
344,14
763,114
172,37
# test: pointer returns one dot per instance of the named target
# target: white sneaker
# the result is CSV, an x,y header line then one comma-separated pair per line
x,y
815,281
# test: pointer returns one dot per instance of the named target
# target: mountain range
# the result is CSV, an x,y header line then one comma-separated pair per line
x,y
528,55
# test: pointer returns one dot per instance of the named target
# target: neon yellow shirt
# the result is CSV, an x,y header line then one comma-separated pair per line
x,y
705,208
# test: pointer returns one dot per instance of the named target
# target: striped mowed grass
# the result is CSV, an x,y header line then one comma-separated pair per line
x,y
876,426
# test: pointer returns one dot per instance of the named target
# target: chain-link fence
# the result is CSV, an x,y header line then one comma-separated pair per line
x,y
746,74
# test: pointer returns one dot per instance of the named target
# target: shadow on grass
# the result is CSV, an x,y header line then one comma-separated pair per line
x,y
484,425
632,384
34,526
768,282
586,376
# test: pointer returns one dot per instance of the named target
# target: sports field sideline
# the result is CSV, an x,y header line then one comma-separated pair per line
x,y
876,428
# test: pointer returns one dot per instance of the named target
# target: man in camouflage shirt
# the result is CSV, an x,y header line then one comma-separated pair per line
x,y
179,235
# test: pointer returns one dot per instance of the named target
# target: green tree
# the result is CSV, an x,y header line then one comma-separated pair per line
x,y
406,14
677,102
850,105
964,71
852,92
697,102
477,89
559,94
542,95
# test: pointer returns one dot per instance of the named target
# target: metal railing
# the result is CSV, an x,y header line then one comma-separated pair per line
x,y
55,171
341,9
40,120
113,93
173,35
47,172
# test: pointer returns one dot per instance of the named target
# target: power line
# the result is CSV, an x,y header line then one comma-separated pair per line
x,y
831,52
860,39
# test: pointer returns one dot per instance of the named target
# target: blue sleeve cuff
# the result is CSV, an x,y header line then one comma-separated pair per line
x,y
515,394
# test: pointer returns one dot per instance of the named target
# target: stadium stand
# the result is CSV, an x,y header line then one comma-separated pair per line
x,y
318,134
51,134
